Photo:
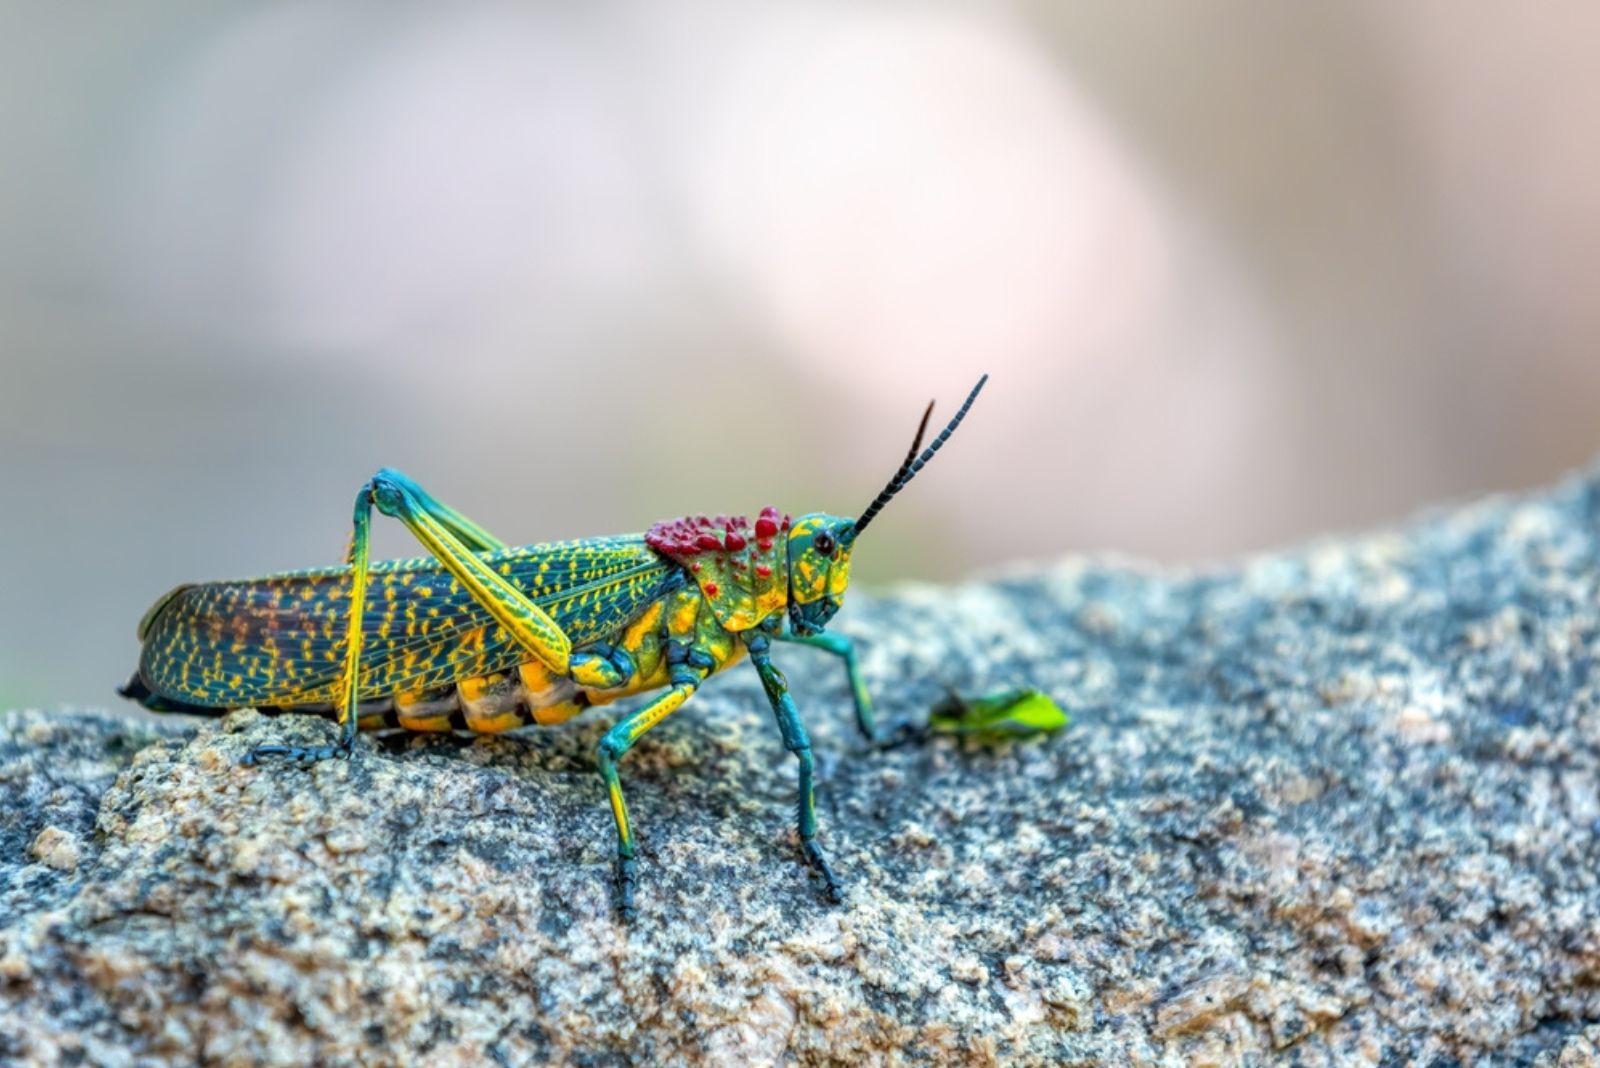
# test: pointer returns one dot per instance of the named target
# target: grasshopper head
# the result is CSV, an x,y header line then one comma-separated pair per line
x,y
819,569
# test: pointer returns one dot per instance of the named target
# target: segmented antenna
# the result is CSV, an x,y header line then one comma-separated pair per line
x,y
916,443
908,469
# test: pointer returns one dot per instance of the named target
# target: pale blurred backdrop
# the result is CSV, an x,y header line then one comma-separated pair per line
x,y
1243,272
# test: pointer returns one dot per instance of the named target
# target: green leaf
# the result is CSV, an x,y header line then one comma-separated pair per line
x,y
1019,713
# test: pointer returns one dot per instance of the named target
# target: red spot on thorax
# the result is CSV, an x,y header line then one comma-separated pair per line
x,y
722,550
692,535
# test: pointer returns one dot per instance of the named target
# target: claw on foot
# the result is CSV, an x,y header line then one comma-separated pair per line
x,y
302,756
627,877
819,863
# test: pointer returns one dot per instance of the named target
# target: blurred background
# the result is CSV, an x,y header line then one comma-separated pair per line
x,y
1243,272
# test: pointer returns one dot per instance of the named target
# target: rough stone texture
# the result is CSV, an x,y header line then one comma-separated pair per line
x,y
1337,806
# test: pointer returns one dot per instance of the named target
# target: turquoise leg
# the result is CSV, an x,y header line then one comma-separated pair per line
x,y
845,650
796,741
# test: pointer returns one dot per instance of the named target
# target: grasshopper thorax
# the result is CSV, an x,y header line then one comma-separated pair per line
x,y
741,567
747,571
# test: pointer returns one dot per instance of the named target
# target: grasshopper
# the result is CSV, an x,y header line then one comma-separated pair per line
x,y
483,637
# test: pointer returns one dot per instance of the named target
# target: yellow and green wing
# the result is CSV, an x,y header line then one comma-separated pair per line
x,y
280,640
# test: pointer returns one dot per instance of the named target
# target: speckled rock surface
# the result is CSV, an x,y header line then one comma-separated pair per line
x,y
1337,806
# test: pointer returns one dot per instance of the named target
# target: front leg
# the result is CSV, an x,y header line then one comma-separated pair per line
x,y
796,741
844,649
900,730
695,646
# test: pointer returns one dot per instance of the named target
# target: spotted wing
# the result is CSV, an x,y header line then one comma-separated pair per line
x,y
281,640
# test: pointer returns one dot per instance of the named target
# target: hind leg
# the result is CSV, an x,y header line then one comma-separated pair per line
x,y
303,755
456,542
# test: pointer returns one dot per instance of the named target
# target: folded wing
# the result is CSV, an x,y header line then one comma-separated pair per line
x,y
280,640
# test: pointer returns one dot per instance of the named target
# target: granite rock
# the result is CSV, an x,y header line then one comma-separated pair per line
x,y
1333,806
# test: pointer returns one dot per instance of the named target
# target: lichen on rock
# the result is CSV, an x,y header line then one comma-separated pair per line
x,y
1334,806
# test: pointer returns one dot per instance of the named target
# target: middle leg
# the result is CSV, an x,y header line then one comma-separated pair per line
x,y
617,741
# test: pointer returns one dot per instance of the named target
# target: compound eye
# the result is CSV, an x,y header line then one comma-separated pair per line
x,y
823,543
